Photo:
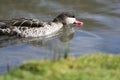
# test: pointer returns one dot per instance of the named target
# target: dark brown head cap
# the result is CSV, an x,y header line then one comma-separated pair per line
x,y
61,17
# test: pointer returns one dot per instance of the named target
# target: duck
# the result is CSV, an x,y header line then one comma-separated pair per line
x,y
23,27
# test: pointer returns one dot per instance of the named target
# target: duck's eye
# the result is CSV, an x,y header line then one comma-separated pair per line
x,y
73,16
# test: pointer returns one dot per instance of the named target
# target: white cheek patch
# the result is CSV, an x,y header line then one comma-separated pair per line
x,y
70,20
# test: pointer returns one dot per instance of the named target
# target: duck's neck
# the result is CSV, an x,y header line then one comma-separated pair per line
x,y
56,24
59,20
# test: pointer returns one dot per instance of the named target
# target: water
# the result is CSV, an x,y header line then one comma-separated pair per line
x,y
100,32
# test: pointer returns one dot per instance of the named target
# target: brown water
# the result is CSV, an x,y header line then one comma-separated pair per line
x,y
100,32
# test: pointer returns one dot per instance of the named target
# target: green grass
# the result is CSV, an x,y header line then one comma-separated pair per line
x,y
87,67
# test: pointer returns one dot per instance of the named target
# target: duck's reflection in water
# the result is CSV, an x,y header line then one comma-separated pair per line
x,y
58,46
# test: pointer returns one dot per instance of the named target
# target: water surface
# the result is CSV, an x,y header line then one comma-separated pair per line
x,y
100,32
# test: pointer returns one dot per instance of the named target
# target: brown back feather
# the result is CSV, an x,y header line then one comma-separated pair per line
x,y
23,22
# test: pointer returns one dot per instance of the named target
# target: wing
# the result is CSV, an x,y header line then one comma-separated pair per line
x,y
22,22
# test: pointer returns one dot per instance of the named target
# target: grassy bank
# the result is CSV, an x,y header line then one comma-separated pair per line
x,y
87,67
